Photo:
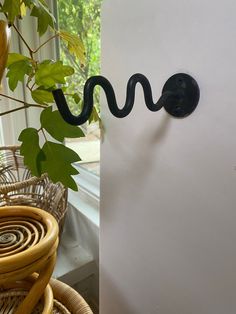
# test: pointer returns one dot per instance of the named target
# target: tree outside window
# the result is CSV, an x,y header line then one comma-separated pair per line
x,y
83,18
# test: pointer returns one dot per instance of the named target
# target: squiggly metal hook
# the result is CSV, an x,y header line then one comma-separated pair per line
x,y
180,96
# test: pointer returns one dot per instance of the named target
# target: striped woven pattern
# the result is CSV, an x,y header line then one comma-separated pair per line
x,y
19,187
28,243
18,234
10,300
66,299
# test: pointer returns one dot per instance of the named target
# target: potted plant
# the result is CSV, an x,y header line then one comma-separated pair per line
x,y
40,77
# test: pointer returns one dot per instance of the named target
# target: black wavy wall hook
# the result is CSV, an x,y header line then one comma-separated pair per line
x,y
180,96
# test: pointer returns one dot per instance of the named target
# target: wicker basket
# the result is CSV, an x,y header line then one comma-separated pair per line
x,y
69,298
19,187
28,244
66,299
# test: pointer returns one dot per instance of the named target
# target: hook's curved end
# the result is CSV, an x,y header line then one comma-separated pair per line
x,y
64,110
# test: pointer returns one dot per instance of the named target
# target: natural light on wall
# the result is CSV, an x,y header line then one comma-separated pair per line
x,y
83,18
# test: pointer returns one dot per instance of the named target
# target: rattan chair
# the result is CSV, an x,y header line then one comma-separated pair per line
x,y
28,243
66,300
13,294
69,298
19,187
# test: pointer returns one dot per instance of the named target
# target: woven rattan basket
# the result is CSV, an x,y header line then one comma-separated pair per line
x,y
19,187
66,299
70,298
28,244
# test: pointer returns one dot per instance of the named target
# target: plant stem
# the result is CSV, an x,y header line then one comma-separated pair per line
x,y
23,102
24,41
44,135
10,111
31,88
43,44
16,109
22,38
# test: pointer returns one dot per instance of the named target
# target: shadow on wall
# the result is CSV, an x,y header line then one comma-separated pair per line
x,y
129,169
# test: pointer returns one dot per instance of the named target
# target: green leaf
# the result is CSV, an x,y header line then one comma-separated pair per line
x,y
30,149
17,71
76,98
51,159
30,3
74,45
15,57
94,117
57,163
22,9
44,16
53,123
42,96
12,9
50,73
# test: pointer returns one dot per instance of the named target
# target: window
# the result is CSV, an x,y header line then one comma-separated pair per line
x,y
84,15
83,18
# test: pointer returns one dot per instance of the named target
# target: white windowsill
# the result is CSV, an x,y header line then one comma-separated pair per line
x,y
74,263
75,260
86,200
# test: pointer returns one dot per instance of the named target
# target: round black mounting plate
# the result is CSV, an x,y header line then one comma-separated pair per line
x,y
187,95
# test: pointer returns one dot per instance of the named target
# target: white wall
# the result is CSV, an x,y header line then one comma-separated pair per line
x,y
168,186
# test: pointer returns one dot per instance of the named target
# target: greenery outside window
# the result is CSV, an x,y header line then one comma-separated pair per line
x,y
83,18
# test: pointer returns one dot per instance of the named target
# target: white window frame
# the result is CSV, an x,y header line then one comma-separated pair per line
x,y
86,200
12,124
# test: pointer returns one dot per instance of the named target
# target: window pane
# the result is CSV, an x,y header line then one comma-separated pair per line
x,y
83,18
